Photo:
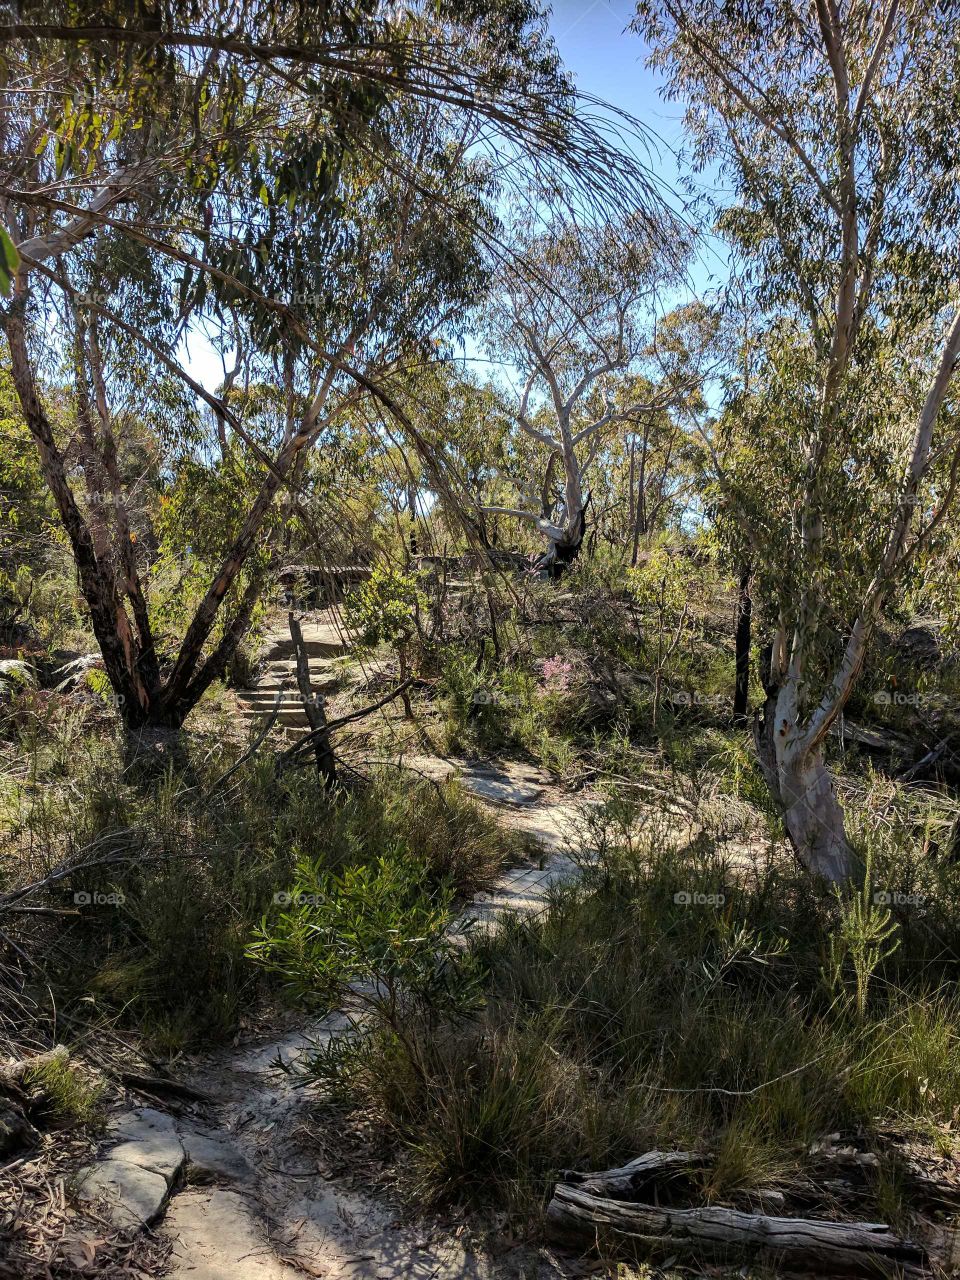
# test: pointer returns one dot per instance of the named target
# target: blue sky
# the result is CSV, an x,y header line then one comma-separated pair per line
x,y
608,62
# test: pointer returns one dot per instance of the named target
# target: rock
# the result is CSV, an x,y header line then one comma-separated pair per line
x,y
138,1173
148,1138
133,1196
216,1236
502,788
216,1158
28,1066
16,1131
919,643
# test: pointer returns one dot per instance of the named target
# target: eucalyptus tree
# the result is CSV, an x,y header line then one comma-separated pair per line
x,y
308,183
574,311
27,527
369,301
663,454
835,123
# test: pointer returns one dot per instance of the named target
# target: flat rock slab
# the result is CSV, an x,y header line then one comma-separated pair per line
x,y
289,1048
220,1235
148,1138
525,797
216,1157
132,1197
320,640
505,784
135,1177
216,1236
520,891
554,825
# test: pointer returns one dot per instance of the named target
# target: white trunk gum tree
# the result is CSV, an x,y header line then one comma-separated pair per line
x,y
570,313
830,117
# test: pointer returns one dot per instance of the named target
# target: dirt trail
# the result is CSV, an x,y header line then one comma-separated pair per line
x,y
272,1213
240,1192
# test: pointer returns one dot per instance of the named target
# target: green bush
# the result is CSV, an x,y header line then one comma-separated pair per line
x,y
66,1094
166,951
750,1021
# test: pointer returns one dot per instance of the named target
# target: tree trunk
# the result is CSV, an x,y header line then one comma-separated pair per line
x,y
742,644
106,569
412,509
111,627
805,791
313,709
563,550
631,494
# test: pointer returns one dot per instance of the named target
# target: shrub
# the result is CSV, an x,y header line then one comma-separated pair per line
x,y
673,1000
374,940
67,1095
165,948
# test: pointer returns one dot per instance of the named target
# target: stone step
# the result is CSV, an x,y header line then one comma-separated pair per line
x,y
289,664
266,696
316,650
321,640
134,1181
285,716
277,675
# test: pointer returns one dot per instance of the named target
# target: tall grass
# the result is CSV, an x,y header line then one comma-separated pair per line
x,y
164,948
672,999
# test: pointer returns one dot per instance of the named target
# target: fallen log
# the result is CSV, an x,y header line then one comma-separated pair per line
x,y
884,740
577,1213
295,753
629,1178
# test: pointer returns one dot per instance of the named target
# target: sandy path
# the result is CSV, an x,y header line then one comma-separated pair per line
x,y
271,1213
241,1193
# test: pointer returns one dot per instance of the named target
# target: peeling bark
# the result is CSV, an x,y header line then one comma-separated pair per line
x,y
799,1242
805,791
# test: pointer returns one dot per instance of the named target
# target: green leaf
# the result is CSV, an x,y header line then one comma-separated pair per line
x,y
9,262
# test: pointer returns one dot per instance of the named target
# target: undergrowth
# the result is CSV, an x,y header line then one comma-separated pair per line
x,y
172,876
673,999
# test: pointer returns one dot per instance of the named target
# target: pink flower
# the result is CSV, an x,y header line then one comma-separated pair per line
x,y
557,673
